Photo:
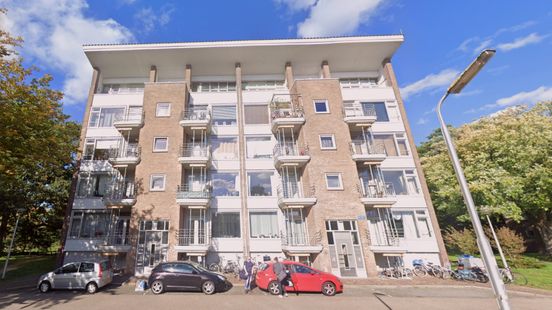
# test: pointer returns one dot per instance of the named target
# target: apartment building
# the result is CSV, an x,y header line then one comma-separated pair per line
x,y
212,151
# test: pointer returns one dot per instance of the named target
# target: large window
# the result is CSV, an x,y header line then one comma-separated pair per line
x,y
259,147
98,149
224,147
225,183
104,117
403,182
93,185
256,114
358,82
394,144
89,224
381,111
226,225
213,87
224,115
263,85
260,183
263,224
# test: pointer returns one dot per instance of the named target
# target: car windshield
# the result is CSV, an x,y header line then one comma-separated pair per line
x,y
198,267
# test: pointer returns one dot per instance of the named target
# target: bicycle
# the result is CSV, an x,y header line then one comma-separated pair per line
x,y
508,276
423,269
226,266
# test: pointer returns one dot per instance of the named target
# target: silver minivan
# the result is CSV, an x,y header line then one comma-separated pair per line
x,y
78,275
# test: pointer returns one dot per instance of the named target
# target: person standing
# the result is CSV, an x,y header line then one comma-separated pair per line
x,y
280,271
248,267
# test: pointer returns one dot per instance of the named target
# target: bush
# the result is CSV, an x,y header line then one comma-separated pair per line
x,y
461,240
512,243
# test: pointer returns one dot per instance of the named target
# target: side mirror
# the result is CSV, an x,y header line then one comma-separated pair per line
x,y
57,271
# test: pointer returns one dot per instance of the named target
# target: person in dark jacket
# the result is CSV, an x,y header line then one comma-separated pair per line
x,y
248,267
280,271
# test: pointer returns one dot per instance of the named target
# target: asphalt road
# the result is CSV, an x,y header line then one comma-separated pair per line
x,y
117,297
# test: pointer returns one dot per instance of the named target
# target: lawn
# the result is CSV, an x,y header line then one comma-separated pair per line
x,y
27,265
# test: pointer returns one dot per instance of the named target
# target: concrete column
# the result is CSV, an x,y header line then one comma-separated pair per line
x,y
153,74
289,75
188,76
392,81
243,175
326,70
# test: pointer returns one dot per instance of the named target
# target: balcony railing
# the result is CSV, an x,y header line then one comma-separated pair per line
x,y
359,147
190,150
121,190
115,239
286,106
294,191
130,150
130,116
196,115
358,110
193,192
301,239
190,237
290,149
377,190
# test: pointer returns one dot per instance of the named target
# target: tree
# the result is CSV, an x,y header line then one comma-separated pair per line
x,y
37,145
507,160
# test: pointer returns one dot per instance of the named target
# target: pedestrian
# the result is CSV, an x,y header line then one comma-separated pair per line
x,y
248,267
280,271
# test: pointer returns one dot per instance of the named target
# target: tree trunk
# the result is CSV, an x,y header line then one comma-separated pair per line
x,y
4,228
545,230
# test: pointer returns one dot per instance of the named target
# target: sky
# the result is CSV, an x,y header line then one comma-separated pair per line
x,y
441,39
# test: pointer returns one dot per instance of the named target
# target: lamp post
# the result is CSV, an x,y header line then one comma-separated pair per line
x,y
11,242
482,241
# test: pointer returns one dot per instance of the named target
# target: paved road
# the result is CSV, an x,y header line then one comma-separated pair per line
x,y
355,297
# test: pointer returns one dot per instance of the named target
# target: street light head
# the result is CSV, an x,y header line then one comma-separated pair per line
x,y
470,72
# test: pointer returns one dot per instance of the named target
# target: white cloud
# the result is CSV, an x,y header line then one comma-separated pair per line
x,y
149,19
521,42
332,17
54,31
540,94
421,121
430,82
127,2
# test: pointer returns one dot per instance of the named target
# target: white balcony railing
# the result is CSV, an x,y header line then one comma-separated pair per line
x,y
359,110
129,150
196,114
377,190
359,147
290,149
191,237
191,150
193,192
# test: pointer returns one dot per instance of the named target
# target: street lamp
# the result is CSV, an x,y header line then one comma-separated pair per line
x,y
482,241
11,242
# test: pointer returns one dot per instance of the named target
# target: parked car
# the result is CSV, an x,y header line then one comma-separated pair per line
x,y
186,276
86,275
303,278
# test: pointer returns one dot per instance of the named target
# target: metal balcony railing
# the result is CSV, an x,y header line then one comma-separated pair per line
x,y
358,110
286,106
131,115
377,190
130,150
290,149
301,239
359,147
121,190
294,190
190,237
194,150
117,239
193,192
196,114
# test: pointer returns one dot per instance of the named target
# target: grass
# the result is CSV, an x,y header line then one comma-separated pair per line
x,y
27,265
536,277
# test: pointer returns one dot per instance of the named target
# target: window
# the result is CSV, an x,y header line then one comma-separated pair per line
x,y
104,117
224,147
98,149
70,268
183,268
263,224
122,88
423,224
226,225
401,143
358,82
394,144
225,183
411,182
333,181
93,185
321,106
157,182
163,109
327,142
263,85
396,179
213,86
255,114
381,112
89,225
160,144
302,269
399,224
259,147
224,115
260,183
86,267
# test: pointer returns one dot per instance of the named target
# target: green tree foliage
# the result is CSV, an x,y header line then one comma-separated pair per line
x,y
461,240
507,160
37,145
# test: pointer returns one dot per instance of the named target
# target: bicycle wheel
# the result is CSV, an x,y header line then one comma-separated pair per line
x,y
420,271
519,279
214,267
436,271
446,274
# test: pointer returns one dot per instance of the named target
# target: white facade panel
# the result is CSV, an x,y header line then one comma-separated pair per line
x,y
104,100
102,132
213,98
225,165
259,164
225,130
377,93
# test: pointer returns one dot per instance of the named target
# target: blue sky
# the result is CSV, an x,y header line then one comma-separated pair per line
x,y
442,38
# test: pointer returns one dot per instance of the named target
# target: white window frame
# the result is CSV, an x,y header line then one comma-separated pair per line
x,y
338,174
332,136
160,150
315,101
168,110
155,175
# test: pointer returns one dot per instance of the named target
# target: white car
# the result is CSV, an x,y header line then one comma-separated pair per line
x,y
78,275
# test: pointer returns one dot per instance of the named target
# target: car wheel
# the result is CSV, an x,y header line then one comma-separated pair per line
x,y
328,289
274,288
91,288
44,287
157,287
208,287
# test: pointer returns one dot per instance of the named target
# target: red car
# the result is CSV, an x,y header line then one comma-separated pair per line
x,y
303,278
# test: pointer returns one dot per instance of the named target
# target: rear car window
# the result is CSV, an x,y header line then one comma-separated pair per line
x,y
70,268
86,267
105,265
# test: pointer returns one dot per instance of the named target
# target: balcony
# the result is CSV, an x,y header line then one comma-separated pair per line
x,y
286,110
122,194
298,244
358,114
132,119
369,153
376,193
194,155
193,196
194,119
292,197
193,241
117,242
125,155
290,154
383,234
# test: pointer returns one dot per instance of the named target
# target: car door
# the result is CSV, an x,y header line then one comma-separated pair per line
x,y
85,275
66,276
187,277
306,279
